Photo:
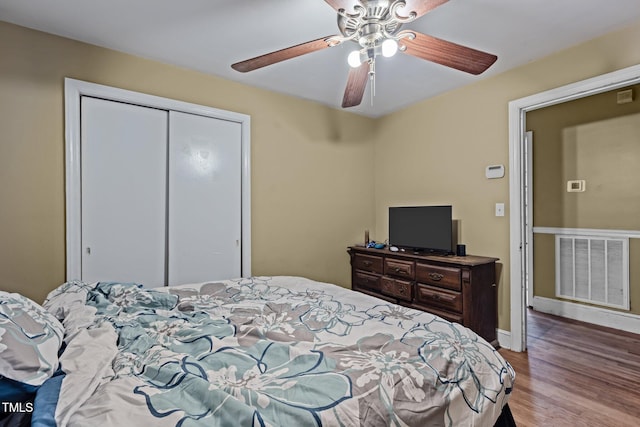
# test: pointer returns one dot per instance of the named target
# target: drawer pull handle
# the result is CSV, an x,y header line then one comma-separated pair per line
x,y
397,269
367,263
436,276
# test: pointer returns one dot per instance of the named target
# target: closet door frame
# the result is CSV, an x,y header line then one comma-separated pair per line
x,y
74,91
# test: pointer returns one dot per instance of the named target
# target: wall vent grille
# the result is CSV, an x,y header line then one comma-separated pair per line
x,y
593,270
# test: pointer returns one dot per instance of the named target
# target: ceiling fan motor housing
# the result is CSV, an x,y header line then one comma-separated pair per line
x,y
371,25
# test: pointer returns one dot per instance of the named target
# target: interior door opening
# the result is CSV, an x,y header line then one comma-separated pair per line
x,y
520,257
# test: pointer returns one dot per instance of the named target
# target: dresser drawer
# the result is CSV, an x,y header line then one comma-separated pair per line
x,y
399,268
368,263
400,289
364,280
445,277
438,297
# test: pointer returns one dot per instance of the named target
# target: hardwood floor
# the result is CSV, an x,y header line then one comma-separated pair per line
x,y
575,374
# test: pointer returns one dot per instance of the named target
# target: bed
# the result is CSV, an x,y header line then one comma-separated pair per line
x,y
260,351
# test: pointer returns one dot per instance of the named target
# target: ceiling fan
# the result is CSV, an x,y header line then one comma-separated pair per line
x,y
376,26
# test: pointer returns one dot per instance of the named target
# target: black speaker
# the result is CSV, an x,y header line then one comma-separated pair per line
x,y
461,250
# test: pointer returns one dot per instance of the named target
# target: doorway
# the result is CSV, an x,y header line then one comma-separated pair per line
x,y
520,177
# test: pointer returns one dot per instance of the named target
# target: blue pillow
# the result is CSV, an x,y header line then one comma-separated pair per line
x,y
44,406
17,403
15,391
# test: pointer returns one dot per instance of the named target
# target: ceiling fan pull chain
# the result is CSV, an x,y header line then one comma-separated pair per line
x,y
372,77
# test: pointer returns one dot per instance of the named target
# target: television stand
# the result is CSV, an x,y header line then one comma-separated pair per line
x,y
460,289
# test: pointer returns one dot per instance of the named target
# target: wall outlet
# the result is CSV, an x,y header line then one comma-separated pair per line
x,y
499,209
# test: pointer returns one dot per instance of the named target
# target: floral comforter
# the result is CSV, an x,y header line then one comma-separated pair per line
x,y
262,351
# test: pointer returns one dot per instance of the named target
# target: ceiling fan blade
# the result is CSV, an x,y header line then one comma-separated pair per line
x,y
356,84
284,54
446,53
419,7
347,5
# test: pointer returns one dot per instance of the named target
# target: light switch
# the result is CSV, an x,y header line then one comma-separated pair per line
x,y
499,209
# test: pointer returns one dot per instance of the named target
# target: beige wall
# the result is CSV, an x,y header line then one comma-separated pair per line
x,y
606,155
436,151
312,187
616,174
314,190
594,139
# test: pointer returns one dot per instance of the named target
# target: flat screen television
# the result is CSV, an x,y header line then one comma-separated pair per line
x,y
421,228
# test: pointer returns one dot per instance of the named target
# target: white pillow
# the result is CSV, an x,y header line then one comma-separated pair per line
x,y
30,339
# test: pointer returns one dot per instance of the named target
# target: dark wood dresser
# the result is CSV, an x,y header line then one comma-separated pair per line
x,y
460,289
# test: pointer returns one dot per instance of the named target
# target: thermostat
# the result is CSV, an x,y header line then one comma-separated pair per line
x,y
576,186
494,171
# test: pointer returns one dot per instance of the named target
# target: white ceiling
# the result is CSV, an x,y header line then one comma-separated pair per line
x,y
210,35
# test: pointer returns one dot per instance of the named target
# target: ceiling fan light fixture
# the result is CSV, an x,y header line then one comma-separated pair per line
x,y
354,60
389,48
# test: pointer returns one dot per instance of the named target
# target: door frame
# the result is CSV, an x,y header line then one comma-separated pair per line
x,y
74,90
520,259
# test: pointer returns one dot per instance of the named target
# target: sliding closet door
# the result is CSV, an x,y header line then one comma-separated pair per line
x,y
124,163
205,211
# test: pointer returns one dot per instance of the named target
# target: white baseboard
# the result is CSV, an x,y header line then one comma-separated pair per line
x,y
585,313
504,339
